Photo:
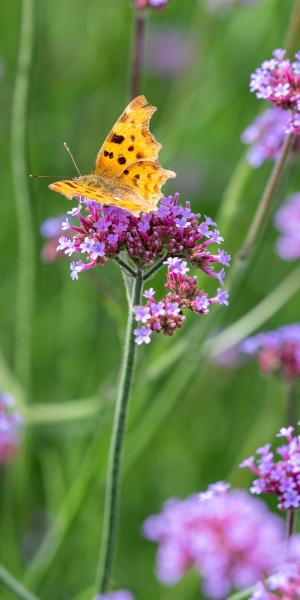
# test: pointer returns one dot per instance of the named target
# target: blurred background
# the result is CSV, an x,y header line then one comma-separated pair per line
x,y
191,420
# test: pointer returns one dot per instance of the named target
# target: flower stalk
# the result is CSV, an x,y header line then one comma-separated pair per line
x,y
138,51
15,586
260,216
111,510
291,406
290,523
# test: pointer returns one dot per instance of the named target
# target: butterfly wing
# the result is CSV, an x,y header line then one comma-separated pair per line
x,y
127,198
129,140
145,177
73,187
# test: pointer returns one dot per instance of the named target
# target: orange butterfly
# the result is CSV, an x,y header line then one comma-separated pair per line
x,y
126,172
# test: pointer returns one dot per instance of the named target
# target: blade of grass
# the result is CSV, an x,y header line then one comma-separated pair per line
x,y
26,276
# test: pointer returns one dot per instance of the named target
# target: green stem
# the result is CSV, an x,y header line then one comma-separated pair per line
x,y
155,267
290,523
111,509
25,284
291,404
242,595
125,266
15,586
261,214
138,52
292,37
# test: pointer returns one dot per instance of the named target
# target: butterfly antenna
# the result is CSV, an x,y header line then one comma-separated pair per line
x,y
48,176
71,157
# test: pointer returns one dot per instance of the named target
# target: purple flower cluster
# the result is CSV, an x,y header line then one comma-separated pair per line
x,y
231,539
173,233
140,4
285,583
10,428
166,315
266,135
119,595
281,477
277,351
287,220
278,82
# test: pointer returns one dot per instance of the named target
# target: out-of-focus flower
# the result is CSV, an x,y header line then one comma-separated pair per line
x,y
140,4
277,351
119,595
51,230
285,583
266,135
278,82
231,539
11,424
287,220
281,477
169,51
222,4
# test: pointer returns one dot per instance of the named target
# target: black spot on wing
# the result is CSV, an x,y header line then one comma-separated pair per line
x,y
122,160
117,139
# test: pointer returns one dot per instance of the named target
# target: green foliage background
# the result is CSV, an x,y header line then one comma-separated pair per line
x,y
191,422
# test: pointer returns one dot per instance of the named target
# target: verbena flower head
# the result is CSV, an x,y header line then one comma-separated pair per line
x,y
10,428
229,538
278,82
284,584
266,135
280,477
172,232
287,220
119,595
277,351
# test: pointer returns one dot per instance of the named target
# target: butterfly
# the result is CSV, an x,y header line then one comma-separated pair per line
x,y
126,173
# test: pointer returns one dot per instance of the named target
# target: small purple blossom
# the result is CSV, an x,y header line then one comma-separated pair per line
x,y
222,297
142,335
76,268
278,82
280,477
287,221
11,424
229,538
277,350
142,313
118,595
